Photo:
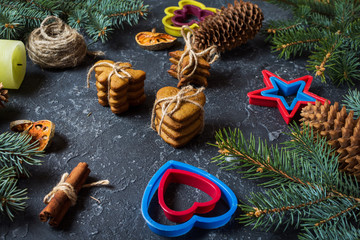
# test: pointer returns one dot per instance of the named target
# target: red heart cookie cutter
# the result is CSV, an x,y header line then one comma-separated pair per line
x,y
193,180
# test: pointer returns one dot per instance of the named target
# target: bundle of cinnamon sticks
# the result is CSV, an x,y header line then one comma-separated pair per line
x,y
60,203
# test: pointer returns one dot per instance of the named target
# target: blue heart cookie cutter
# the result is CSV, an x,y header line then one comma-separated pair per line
x,y
196,221
281,89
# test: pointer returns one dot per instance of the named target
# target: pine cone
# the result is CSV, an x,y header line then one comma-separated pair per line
x,y
340,129
230,27
3,96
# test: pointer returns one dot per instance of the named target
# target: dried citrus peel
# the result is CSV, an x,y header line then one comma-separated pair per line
x,y
42,131
20,125
154,41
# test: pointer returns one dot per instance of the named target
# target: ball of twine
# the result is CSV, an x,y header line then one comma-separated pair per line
x,y
56,45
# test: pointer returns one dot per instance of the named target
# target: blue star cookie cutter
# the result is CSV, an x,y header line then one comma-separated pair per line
x,y
195,221
282,89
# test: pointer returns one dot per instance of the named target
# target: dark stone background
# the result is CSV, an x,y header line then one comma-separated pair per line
x,y
125,150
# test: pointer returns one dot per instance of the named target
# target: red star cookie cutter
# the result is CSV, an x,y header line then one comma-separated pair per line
x,y
256,98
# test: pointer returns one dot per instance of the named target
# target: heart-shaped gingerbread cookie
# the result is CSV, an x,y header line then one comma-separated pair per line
x,y
178,114
186,109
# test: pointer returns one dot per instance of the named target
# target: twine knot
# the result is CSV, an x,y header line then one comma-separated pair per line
x,y
178,99
69,190
117,68
189,38
56,45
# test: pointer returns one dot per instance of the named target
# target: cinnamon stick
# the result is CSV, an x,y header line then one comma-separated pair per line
x,y
60,203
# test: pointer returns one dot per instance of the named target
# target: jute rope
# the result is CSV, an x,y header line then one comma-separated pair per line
x,y
179,98
69,190
210,52
116,69
56,45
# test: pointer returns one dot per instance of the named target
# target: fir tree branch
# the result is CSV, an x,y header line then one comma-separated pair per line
x,y
12,25
330,213
243,153
336,193
258,212
316,152
329,30
324,54
320,21
261,164
296,41
305,202
345,12
279,164
275,30
78,19
99,27
12,199
345,68
40,5
140,11
16,150
283,206
321,69
317,6
352,101
337,215
7,172
32,18
97,17
352,35
314,194
339,231
279,26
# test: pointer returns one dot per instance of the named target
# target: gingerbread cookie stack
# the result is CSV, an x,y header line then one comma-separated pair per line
x,y
118,85
199,78
178,115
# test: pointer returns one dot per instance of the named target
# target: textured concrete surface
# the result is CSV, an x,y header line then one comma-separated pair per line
x,y
125,150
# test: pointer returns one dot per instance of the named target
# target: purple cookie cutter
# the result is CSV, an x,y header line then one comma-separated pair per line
x,y
182,16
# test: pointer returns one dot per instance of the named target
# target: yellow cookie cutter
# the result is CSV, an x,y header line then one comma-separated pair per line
x,y
169,11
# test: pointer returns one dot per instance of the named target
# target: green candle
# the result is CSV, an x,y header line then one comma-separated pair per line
x,y
12,63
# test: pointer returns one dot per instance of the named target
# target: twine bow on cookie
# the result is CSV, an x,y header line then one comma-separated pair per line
x,y
117,69
178,99
210,52
69,190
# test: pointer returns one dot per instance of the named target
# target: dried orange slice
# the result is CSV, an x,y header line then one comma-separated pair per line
x,y
154,41
42,131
